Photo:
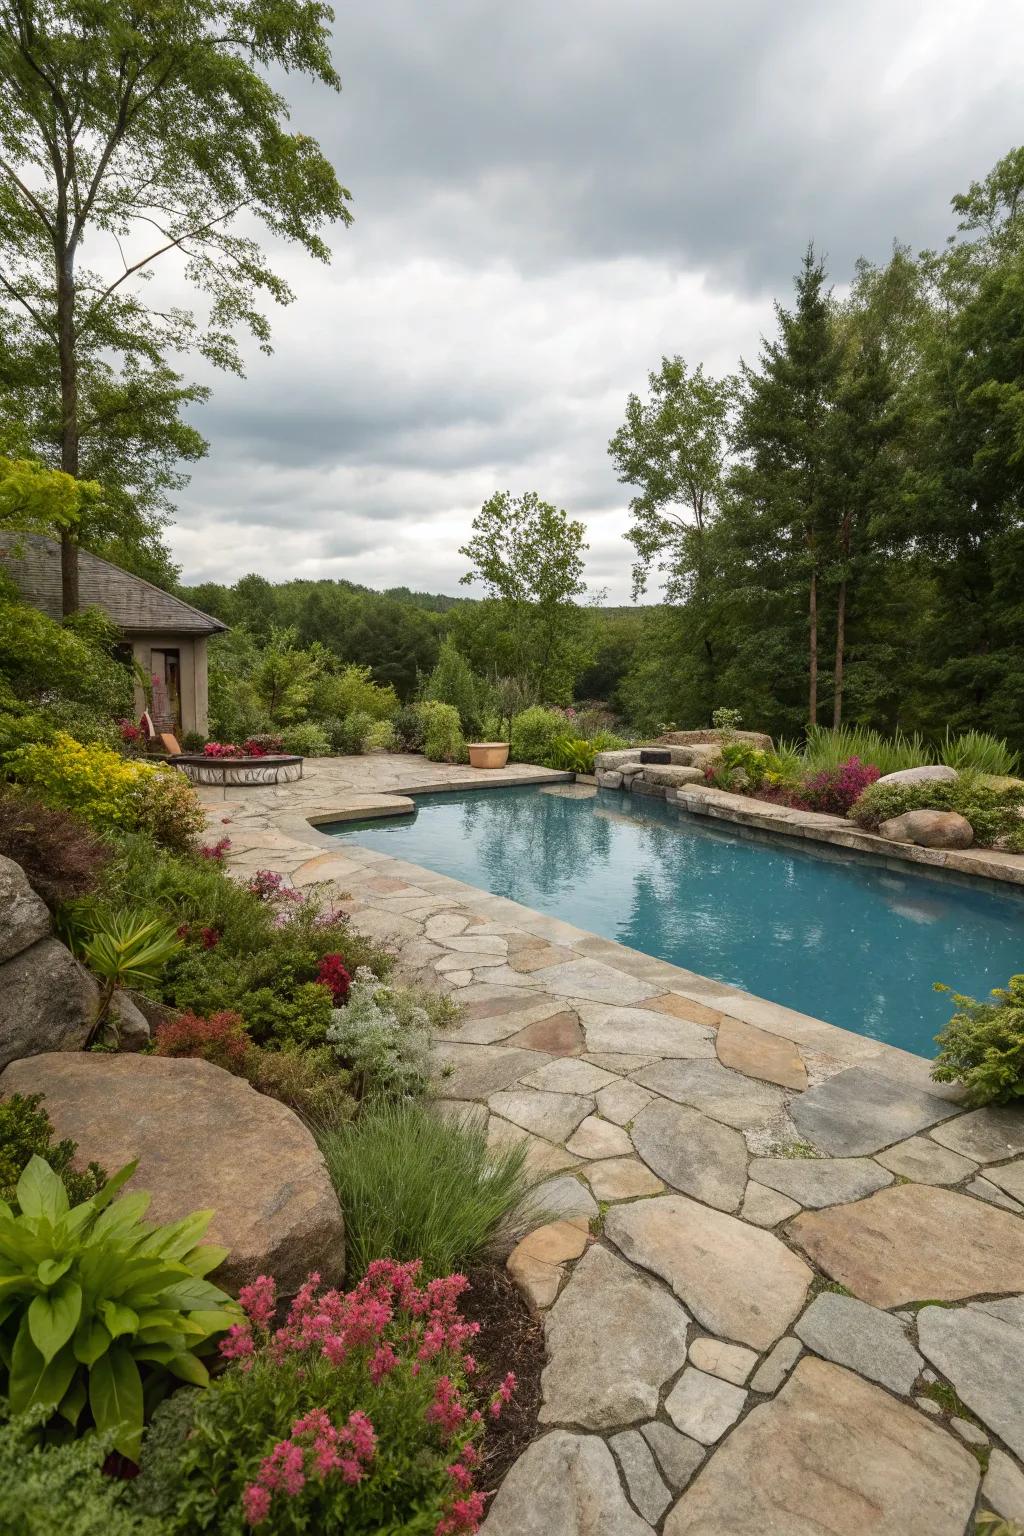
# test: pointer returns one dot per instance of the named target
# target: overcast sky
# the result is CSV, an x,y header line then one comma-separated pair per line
x,y
547,198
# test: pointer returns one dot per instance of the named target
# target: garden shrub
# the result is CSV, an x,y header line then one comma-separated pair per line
x,y
534,733
193,741
353,691
380,737
101,1309
453,682
350,735
992,813
982,1046
222,1039
382,1037
61,856
61,1488
834,791
109,791
443,741
355,1416
416,1184
170,810
306,740
26,1132
410,729
310,1080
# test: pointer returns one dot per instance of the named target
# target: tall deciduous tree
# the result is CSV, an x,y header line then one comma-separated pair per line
x,y
528,555
149,132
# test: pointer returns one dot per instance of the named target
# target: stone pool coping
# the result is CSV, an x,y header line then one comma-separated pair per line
x,y
745,810
701,1373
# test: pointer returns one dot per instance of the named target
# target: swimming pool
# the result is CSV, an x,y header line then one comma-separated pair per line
x,y
844,938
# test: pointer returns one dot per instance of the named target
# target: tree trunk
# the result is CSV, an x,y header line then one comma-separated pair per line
x,y
837,703
69,418
812,693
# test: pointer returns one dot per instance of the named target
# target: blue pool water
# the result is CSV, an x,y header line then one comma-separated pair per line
x,y
840,937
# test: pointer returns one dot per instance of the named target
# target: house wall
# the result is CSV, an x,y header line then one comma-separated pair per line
x,y
192,650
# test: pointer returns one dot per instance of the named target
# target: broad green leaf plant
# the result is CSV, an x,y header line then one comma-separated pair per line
x,y
100,1311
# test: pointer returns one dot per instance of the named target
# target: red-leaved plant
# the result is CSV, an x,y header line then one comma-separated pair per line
x,y
355,1414
334,974
222,1039
834,790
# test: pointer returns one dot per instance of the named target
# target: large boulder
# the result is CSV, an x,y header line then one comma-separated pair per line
x,y
203,1139
47,1002
24,919
716,738
672,775
929,829
928,773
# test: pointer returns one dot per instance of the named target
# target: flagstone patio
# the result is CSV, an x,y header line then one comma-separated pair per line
x,y
782,1272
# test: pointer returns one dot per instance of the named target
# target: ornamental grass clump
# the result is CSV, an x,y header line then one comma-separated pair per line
x,y
414,1183
356,1415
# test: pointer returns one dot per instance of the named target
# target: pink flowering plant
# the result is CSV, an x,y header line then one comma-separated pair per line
x,y
356,1414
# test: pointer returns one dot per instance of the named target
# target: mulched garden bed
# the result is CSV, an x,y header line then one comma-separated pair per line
x,y
510,1339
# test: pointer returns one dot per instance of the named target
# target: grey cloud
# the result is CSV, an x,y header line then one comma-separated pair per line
x,y
547,198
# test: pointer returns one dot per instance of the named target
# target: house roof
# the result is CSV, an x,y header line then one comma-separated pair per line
x,y
137,607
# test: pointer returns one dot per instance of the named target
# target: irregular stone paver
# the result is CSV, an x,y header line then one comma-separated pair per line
x,y
770,1376
677,1455
745,1048
646,1486
542,1157
643,1032
565,1483
1003,1488
560,1034
592,979
766,1207
567,1075
987,1135
860,1111
618,1061
477,1071
1009,1308
595,1138
682,1008
1010,1177
622,1101
849,1332
537,1263
983,1357
922,1161
727,1096
729,1361
552,1115
621,1178
834,1456
738,1281
537,957
692,1153
986,1190
821,1181
564,1198
703,1406
601,1375
912,1243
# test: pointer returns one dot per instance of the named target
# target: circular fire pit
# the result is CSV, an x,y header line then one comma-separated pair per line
x,y
271,769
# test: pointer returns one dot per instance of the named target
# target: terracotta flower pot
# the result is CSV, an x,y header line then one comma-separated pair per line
x,y
488,754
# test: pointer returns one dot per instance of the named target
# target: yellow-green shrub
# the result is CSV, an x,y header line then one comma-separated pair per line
x,y
107,790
